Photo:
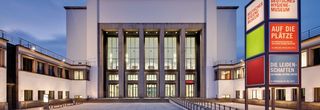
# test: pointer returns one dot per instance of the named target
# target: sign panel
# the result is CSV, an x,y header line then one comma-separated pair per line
x,y
284,37
255,71
284,69
254,14
283,9
255,42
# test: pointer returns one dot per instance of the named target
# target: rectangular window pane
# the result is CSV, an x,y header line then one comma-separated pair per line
x,y
132,77
40,95
132,90
114,77
151,53
112,53
170,77
27,64
51,70
51,95
170,90
132,53
189,90
78,75
60,94
113,90
170,53
304,59
40,68
151,90
190,53
152,77
28,95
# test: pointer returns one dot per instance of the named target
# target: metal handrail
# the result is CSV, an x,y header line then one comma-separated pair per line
x,y
27,44
200,104
310,33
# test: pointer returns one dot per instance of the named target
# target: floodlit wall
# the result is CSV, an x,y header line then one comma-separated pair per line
x,y
3,84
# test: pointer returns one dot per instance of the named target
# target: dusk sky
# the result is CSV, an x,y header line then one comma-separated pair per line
x,y
44,21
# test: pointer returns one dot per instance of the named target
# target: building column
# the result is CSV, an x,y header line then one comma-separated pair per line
x,y
161,63
121,67
141,79
182,70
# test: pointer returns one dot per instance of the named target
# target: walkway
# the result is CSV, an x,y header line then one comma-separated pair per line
x,y
120,106
251,107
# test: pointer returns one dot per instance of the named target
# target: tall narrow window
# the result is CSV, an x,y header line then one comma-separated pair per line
x,y
151,90
316,94
51,95
60,95
67,94
51,70
316,56
170,90
189,90
132,53
59,73
27,64
113,90
281,94
66,72
151,53
304,59
40,95
132,90
112,53
190,47
40,67
170,53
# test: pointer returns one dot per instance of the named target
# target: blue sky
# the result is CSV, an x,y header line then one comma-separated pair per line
x,y
44,21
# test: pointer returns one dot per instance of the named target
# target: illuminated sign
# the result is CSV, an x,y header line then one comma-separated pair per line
x,y
254,14
255,71
284,37
284,69
255,42
283,9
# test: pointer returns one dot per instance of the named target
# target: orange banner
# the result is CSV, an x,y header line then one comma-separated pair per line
x,y
284,37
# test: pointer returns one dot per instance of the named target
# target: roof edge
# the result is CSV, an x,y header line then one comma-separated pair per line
x,y
228,7
74,7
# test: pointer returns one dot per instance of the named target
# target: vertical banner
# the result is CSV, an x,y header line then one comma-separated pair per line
x,y
254,14
284,69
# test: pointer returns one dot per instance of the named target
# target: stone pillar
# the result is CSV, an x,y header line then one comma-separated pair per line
x,y
182,70
141,79
121,67
161,63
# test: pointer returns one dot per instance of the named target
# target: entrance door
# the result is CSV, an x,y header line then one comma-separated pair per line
x,y
151,90
11,97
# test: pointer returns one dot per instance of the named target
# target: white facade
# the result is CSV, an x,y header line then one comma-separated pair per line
x,y
309,78
3,84
151,11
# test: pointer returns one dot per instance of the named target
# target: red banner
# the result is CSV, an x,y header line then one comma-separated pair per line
x,y
255,71
284,37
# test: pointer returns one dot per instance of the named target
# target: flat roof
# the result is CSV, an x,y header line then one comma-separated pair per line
x,y
74,7
227,7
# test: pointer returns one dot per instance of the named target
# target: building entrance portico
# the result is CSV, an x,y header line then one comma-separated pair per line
x,y
151,60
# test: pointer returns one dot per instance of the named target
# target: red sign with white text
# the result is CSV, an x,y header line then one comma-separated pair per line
x,y
284,37
255,71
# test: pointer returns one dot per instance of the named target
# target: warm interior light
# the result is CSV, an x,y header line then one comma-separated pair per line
x,y
33,48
